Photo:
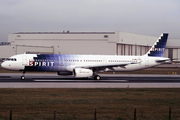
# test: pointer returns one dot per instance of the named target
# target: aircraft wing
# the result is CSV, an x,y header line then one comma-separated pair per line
x,y
103,67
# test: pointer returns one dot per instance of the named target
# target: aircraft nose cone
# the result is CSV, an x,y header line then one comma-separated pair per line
x,y
4,65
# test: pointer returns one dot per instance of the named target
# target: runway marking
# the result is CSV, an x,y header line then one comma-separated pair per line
x,y
80,80
5,77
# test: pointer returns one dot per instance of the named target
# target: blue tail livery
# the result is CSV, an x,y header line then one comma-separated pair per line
x,y
157,50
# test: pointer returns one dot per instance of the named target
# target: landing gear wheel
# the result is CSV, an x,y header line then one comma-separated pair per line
x,y
97,77
22,77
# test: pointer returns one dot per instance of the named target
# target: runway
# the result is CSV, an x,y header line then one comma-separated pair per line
x,y
12,80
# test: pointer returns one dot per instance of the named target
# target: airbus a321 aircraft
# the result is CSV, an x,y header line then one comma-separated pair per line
x,y
88,65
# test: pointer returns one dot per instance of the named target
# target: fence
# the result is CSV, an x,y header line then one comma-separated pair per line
x,y
95,115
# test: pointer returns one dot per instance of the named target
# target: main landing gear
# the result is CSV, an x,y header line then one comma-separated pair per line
x,y
22,77
97,77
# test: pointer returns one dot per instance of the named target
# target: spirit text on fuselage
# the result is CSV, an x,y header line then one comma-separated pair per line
x,y
34,63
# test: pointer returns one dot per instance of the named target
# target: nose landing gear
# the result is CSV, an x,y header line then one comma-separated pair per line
x,y
22,77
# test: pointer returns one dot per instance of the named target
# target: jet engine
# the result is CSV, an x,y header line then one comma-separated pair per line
x,y
64,73
82,72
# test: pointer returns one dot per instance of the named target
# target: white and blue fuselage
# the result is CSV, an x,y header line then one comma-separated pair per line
x,y
56,62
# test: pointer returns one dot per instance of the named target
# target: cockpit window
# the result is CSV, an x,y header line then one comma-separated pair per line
x,y
11,59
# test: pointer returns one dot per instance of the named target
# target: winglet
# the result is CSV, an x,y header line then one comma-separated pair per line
x,y
157,50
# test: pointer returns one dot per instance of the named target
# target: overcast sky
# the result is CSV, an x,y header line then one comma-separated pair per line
x,y
148,17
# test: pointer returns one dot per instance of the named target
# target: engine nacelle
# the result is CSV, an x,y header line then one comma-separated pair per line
x,y
82,72
64,73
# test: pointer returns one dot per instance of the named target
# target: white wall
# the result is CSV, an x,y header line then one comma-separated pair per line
x,y
173,43
86,43
135,39
69,43
7,51
32,49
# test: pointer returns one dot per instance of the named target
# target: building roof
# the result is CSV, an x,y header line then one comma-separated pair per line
x,y
65,32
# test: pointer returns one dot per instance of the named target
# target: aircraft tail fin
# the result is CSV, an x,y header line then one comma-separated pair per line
x,y
157,50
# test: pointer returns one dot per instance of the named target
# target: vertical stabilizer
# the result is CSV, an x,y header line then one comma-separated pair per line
x,y
157,50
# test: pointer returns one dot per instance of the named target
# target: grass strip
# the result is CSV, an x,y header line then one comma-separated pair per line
x,y
79,104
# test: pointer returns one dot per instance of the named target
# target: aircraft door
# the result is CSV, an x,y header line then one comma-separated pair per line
x,y
146,61
24,60
61,60
104,60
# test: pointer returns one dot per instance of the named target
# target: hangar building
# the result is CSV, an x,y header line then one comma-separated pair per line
x,y
102,43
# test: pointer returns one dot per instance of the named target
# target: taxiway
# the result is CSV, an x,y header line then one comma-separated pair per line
x,y
12,80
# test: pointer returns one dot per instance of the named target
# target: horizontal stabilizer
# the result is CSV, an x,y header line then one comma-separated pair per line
x,y
163,60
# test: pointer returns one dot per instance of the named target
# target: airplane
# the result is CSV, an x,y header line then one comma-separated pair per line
x,y
85,66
